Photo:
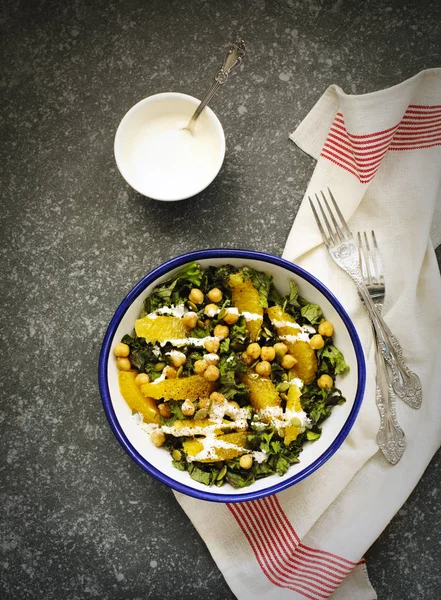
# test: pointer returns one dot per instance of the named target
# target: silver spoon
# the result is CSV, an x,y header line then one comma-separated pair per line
x,y
232,60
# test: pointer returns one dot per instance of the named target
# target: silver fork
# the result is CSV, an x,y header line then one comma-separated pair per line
x,y
343,250
391,439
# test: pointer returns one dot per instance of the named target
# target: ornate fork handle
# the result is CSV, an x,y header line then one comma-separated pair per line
x,y
390,438
404,382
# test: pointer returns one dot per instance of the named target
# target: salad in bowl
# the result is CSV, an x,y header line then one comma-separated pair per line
x,y
226,373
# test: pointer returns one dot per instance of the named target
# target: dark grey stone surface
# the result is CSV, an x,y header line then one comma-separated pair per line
x,y
78,518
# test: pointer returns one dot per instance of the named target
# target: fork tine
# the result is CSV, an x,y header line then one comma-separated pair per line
x,y
342,219
378,265
338,230
319,225
325,218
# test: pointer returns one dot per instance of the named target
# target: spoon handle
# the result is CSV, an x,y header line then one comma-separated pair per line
x,y
232,60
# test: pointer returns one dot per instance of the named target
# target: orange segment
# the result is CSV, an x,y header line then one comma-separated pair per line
x,y
192,424
306,366
245,298
291,433
135,398
293,402
160,329
278,316
262,392
190,388
194,447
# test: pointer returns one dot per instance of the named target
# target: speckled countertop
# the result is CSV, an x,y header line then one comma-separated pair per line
x,y
78,518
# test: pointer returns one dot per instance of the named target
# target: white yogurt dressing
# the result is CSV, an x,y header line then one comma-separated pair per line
x,y
162,377
175,311
211,358
275,416
190,341
251,316
210,444
176,354
212,312
302,336
300,333
168,159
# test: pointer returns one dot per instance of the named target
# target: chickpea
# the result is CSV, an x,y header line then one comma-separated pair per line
x,y
325,381
178,359
231,317
188,408
170,373
317,342
217,397
246,461
212,358
142,378
288,361
281,349
215,295
326,328
263,368
164,410
247,359
196,296
233,404
204,403
211,310
121,350
268,353
190,320
200,366
123,363
158,438
253,350
212,345
221,332
212,373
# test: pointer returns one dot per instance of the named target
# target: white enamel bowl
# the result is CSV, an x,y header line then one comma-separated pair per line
x,y
157,461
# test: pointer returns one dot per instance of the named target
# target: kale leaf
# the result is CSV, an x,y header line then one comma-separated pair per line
x,y
239,332
142,355
261,281
318,403
290,302
231,367
176,289
312,313
332,360
220,276
176,413
231,388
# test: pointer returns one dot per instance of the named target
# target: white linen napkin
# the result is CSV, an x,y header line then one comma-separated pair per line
x,y
380,154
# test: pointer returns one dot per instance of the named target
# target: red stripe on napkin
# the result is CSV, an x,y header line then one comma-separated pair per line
x,y
361,155
284,560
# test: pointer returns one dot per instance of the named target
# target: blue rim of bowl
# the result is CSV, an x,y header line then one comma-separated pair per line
x,y
245,255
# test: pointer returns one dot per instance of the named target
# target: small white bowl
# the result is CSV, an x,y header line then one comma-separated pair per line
x,y
160,159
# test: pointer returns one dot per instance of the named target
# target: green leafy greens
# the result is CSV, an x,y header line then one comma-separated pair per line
x,y
265,440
